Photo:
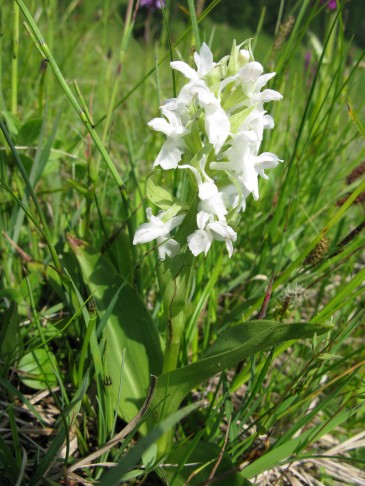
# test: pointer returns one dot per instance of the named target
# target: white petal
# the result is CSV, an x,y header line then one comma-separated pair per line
x,y
266,96
201,219
207,190
169,248
195,171
268,121
217,125
262,81
211,200
229,246
205,96
169,156
264,161
200,241
185,69
222,231
204,60
251,72
243,57
161,125
175,122
176,106
148,232
175,221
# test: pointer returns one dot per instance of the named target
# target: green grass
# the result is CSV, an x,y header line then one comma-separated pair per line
x,y
85,315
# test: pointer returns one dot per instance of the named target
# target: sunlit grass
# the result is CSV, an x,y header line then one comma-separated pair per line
x,y
276,415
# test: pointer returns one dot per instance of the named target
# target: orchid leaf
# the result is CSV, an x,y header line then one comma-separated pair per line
x,y
133,350
159,196
37,369
236,344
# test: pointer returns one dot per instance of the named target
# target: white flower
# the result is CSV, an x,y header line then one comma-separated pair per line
x,y
159,230
235,197
251,80
217,124
211,200
171,151
201,240
203,61
218,114
257,121
245,164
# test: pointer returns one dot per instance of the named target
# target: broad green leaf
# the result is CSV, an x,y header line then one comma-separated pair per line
x,y
37,369
130,330
158,195
29,132
12,294
233,346
120,252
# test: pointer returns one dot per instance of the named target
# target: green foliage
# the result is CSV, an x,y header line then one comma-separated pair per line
x,y
237,344
81,331
37,369
132,345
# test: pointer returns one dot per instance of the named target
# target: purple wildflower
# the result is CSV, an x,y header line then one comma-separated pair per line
x,y
331,4
307,60
152,3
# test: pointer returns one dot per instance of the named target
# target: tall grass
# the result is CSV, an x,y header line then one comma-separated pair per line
x,y
266,385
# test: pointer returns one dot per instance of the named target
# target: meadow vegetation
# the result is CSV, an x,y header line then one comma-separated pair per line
x,y
117,367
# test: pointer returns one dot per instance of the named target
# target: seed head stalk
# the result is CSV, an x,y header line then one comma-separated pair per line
x,y
14,61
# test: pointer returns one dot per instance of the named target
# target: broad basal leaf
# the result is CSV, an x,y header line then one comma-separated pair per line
x,y
37,369
233,346
133,350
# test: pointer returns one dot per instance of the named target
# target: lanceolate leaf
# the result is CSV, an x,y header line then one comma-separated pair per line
x,y
130,330
158,195
236,344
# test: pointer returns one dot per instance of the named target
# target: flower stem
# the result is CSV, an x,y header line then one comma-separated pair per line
x,y
175,332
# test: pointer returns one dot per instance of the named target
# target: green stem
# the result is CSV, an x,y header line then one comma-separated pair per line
x,y
171,359
194,24
173,345
85,346
14,61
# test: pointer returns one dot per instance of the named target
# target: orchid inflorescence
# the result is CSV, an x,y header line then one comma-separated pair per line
x,y
213,130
